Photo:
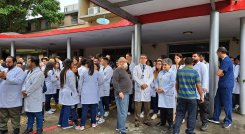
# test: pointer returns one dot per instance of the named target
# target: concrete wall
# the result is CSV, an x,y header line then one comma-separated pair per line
x,y
234,48
154,51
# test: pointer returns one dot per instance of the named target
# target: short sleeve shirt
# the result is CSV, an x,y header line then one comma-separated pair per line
x,y
187,78
227,80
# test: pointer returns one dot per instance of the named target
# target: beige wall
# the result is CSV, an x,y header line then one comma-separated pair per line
x,y
154,52
234,48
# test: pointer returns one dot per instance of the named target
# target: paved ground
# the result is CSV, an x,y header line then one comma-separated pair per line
x,y
238,126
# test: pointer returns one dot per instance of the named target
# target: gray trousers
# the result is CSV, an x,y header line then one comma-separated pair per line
x,y
10,113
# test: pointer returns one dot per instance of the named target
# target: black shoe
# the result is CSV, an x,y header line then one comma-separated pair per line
x,y
27,131
137,124
16,131
204,127
3,131
148,124
170,127
39,131
161,124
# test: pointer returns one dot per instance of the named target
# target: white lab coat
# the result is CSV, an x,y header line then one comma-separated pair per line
x,y
10,89
33,87
90,87
69,94
202,70
166,81
50,81
142,95
57,82
107,75
236,89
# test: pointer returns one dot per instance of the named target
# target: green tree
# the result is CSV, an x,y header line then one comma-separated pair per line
x,y
14,13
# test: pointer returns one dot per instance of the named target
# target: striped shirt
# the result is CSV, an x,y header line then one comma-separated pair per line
x,y
187,78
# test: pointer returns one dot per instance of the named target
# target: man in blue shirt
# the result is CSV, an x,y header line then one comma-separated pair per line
x,y
225,87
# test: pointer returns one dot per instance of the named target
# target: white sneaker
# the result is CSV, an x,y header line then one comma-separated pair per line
x,y
67,127
94,125
142,115
106,114
80,128
101,120
49,112
129,113
183,121
151,111
154,116
158,113
53,110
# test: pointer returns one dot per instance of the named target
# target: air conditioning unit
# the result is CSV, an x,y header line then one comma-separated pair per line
x,y
93,10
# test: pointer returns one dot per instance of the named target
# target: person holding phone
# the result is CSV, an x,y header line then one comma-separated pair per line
x,y
123,86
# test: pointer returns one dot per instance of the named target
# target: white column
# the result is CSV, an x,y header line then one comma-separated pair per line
x,y
12,49
68,47
213,58
242,66
137,42
133,47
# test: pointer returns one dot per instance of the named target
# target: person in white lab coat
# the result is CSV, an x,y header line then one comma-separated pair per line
x,y
143,77
10,96
165,87
32,91
90,82
101,111
236,89
202,70
57,71
107,72
50,81
68,94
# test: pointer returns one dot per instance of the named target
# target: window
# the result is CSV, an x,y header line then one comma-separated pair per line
x,y
74,19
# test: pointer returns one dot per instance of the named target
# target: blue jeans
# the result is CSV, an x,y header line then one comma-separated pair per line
x,y
94,111
122,110
31,117
74,114
223,96
105,102
101,109
64,116
186,105
154,104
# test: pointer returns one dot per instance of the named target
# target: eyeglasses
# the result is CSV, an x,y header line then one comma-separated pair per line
x,y
164,64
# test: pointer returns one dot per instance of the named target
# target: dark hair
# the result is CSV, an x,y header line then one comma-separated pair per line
x,y
48,67
106,59
67,66
76,58
13,58
44,59
150,62
188,61
181,56
58,64
238,57
98,66
198,54
34,59
19,63
129,54
90,64
83,61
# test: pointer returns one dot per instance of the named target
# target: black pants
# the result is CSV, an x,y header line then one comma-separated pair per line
x,y
56,96
166,115
105,101
204,109
236,99
130,104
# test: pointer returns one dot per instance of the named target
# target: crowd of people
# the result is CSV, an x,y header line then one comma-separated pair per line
x,y
165,87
